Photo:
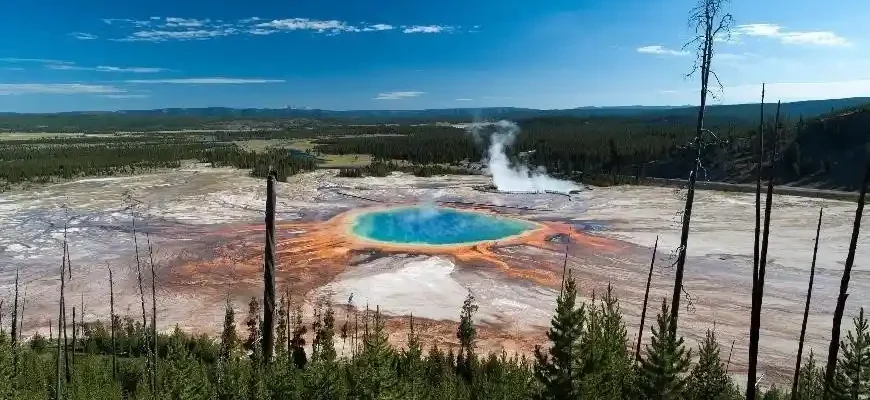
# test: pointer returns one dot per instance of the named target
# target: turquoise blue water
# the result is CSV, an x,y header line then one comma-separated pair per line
x,y
434,226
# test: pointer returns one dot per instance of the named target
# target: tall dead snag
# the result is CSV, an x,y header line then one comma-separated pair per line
x,y
15,325
758,282
269,272
73,357
150,367
645,300
730,352
758,189
709,24
797,364
844,288
21,317
67,374
112,319
153,314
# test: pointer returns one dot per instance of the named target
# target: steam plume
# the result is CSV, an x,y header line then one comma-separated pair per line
x,y
515,178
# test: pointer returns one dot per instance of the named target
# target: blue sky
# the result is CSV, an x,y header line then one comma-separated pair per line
x,y
399,54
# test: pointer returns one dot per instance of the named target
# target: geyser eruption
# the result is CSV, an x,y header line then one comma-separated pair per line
x,y
516,178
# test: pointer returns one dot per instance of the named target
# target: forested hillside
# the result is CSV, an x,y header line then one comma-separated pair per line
x,y
235,118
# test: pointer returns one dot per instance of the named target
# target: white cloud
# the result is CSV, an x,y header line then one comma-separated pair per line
x,y
83,36
206,81
172,22
661,50
164,35
319,26
378,27
160,29
397,95
774,31
56,88
34,60
125,96
427,29
463,99
106,68
261,31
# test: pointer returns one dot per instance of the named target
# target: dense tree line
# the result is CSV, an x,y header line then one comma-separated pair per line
x,y
383,168
587,358
447,145
44,159
39,162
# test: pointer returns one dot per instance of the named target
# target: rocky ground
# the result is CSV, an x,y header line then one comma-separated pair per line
x,y
192,215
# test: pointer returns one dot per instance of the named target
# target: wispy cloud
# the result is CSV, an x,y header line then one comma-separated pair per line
x,y
661,50
427,29
463,99
775,31
84,36
161,29
164,35
106,68
125,96
397,95
378,27
320,26
34,60
56,88
206,81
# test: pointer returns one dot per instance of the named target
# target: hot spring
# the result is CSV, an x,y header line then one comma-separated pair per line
x,y
435,226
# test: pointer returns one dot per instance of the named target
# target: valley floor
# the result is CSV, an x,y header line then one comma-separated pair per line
x,y
210,218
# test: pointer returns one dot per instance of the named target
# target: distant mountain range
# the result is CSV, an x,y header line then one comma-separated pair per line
x,y
197,117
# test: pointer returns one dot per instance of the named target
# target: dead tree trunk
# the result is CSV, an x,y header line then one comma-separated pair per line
x,y
112,320
63,317
645,300
758,283
153,314
730,352
704,18
21,317
797,364
288,332
73,357
758,188
269,272
15,325
141,297
844,288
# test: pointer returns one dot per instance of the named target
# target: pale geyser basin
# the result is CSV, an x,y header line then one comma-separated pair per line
x,y
435,226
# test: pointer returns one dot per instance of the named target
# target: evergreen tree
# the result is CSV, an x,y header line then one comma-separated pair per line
x,y
376,374
606,362
708,380
852,380
297,343
281,327
229,337
811,381
185,377
412,364
666,362
557,370
774,393
252,322
466,333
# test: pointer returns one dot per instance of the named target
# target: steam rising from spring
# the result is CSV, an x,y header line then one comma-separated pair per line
x,y
515,178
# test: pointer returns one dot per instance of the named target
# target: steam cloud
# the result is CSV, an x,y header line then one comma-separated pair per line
x,y
515,178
